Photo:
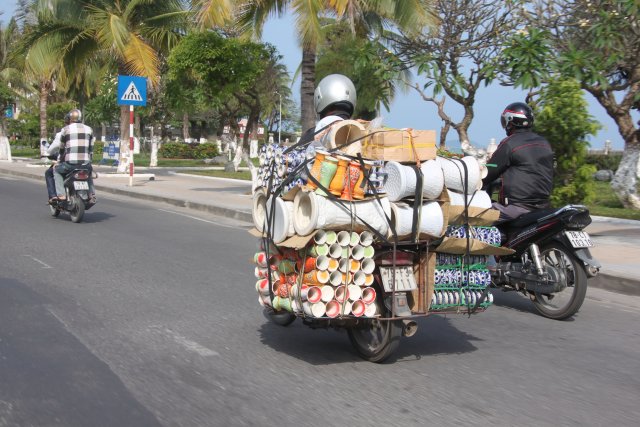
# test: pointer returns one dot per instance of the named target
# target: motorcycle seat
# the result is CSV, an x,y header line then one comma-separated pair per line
x,y
530,217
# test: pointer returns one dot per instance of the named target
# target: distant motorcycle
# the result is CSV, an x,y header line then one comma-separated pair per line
x,y
552,260
76,185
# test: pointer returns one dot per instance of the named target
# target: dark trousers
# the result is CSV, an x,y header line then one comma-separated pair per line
x,y
51,183
509,212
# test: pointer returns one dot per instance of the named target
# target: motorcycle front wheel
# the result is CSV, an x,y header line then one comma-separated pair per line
x,y
282,318
566,303
76,210
376,340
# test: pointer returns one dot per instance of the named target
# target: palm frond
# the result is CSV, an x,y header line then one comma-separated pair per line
x,y
110,29
140,59
213,13
252,15
308,13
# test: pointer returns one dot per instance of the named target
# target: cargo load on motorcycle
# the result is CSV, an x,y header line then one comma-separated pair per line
x,y
370,231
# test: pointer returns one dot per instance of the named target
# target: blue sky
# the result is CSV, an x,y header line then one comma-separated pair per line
x,y
408,109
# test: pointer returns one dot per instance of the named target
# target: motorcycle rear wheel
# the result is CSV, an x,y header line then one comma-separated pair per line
x,y
76,210
564,304
376,340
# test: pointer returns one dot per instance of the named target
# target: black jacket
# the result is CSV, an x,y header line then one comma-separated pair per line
x,y
524,160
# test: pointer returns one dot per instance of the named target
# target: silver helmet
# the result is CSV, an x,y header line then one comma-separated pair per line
x,y
334,89
75,116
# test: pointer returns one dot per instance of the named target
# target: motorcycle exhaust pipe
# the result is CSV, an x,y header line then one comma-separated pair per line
x,y
409,328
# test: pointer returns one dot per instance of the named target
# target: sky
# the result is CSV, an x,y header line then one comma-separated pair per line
x,y
408,109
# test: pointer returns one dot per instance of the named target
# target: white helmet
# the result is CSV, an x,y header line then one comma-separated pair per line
x,y
335,89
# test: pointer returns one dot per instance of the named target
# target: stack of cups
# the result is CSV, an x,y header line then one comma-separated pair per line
x,y
347,257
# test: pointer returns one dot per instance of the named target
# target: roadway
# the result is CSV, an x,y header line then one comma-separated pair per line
x,y
146,314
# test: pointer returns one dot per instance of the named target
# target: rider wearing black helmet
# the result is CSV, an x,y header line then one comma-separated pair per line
x,y
524,161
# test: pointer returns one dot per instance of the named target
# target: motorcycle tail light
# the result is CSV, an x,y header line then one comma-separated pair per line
x,y
402,258
578,221
81,175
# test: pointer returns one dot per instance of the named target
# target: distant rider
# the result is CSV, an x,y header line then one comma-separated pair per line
x,y
524,161
76,148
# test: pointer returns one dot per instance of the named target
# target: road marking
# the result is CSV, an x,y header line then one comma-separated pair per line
x,y
44,264
187,343
197,219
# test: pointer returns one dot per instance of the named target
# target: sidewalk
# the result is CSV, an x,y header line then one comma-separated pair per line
x,y
617,241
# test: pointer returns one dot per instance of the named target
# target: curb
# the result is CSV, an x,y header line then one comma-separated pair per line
x,y
217,210
605,219
621,285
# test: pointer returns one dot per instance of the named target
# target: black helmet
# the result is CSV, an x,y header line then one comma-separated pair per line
x,y
517,115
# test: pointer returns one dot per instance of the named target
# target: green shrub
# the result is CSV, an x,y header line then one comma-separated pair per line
x,y
600,161
177,150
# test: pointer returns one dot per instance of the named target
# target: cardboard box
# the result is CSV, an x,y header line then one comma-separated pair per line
x,y
424,271
477,216
406,145
453,245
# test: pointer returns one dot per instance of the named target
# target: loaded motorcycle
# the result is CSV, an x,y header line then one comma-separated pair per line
x,y
552,260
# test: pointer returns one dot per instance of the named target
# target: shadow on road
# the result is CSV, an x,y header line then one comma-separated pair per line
x,y
436,335
91,217
517,302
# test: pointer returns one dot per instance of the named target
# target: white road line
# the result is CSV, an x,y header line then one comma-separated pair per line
x,y
189,344
44,265
197,219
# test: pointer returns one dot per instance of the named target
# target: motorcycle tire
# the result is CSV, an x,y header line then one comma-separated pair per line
x,y
282,318
376,340
54,212
564,304
76,210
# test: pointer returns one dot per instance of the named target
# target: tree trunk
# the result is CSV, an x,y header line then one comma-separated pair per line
x,y
103,127
45,89
307,87
625,180
185,127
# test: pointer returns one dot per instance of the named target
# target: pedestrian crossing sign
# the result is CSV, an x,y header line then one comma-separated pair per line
x,y
132,90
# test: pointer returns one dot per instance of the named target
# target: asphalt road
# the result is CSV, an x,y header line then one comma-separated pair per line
x,y
147,315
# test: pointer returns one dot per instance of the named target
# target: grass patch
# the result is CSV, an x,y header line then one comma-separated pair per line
x,y
607,204
32,153
244,175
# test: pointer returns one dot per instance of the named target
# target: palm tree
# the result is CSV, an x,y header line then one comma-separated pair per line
x,y
364,18
133,34
12,82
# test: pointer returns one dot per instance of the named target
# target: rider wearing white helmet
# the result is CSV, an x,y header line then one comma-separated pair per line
x,y
334,99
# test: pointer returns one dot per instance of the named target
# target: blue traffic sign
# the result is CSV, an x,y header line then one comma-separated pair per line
x,y
132,90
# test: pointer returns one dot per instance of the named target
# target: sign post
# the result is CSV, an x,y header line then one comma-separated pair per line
x,y
132,90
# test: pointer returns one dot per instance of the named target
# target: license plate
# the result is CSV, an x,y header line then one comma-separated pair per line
x,y
405,280
81,185
579,239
